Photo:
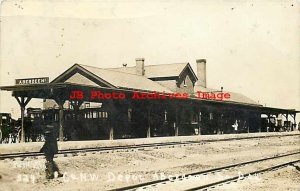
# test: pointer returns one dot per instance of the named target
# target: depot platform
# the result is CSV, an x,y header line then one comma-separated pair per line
x,y
36,146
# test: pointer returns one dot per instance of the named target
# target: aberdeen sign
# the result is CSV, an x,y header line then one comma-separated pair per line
x,y
29,81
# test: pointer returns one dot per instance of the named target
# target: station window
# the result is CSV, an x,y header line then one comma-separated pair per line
x,y
185,81
211,116
200,116
94,115
166,116
195,117
87,105
129,114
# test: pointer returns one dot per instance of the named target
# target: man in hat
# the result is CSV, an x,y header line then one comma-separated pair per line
x,y
49,149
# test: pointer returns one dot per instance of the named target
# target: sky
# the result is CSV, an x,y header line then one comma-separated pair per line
x,y
251,47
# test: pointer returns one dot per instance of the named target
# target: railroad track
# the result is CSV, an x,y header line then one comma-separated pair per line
x,y
190,179
128,148
75,152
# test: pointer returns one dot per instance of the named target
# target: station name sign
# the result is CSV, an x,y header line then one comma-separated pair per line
x,y
29,81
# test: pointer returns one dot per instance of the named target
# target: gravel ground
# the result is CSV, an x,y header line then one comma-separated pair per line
x,y
113,170
287,178
35,146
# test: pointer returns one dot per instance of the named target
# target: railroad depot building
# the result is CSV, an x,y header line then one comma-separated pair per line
x,y
90,103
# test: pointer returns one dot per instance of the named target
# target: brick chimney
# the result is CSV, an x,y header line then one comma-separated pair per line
x,y
140,68
201,72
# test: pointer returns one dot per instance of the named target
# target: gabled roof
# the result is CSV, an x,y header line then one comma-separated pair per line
x,y
234,97
125,78
111,78
158,71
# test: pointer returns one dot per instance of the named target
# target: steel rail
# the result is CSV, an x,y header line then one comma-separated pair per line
x,y
214,184
93,149
127,147
203,172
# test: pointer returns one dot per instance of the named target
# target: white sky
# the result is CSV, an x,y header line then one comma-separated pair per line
x,y
251,47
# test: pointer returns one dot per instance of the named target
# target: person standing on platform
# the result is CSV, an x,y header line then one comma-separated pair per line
x,y
50,148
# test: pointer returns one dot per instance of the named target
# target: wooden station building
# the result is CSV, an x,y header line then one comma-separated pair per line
x,y
90,103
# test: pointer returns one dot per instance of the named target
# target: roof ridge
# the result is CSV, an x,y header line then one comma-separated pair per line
x,y
166,64
108,69
122,67
150,65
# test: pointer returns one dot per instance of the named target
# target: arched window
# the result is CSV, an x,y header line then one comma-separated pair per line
x,y
184,82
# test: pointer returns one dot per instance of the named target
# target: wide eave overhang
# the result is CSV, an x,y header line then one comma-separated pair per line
x,y
63,90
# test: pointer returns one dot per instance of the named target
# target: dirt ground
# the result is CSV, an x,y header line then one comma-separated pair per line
x,y
66,145
113,170
287,178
